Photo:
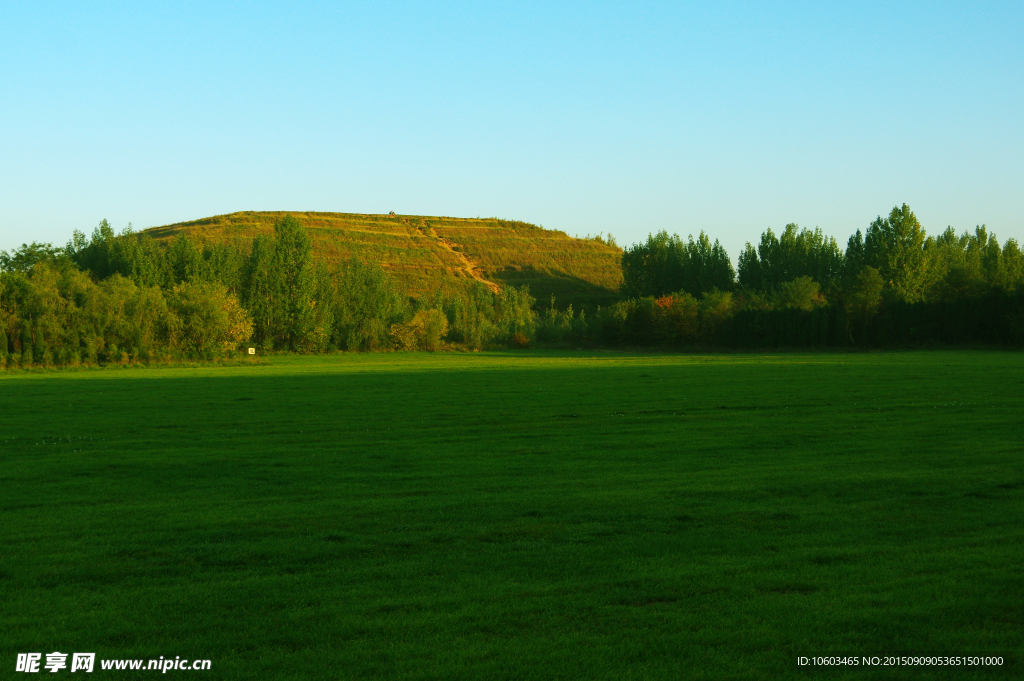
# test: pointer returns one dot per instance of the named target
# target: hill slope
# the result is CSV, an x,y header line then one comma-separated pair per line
x,y
425,252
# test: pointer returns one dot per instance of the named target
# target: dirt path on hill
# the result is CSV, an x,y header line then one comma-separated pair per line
x,y
467,264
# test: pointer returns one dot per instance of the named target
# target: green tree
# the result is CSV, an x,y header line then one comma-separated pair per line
x,y
471,314
262,292
29,255
185,260
281,286
140,258
895,247
802,293
654,267
15,290
1013,266
514,313
715,308
207,319
796,253
865,296
39,344
425,331
676,319
751,276
93,254
135,256
853,261
367,303
666,264
707,267
226,263
26,342
297,279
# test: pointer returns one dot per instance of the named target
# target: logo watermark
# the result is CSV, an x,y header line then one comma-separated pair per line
x,y
56,661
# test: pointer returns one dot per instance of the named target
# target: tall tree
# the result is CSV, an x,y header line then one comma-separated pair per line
x,y
654,267
666,264
853,262
367,303
185,260
29,255
281,286
262,298
796,253
297,278
1013,266
895,247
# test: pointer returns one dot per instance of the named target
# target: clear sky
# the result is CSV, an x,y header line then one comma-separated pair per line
x,y
588,117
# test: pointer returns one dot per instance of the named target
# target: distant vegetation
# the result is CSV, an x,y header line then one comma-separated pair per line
x,y
116,298
423,254
203,289
893,285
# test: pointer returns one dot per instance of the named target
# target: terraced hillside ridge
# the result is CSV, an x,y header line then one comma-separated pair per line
x,y
425,252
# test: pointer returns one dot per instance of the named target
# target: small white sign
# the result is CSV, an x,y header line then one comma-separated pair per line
x,y
252,351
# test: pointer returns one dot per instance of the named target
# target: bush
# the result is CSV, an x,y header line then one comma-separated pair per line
x,y
207,320
403,337
676,319
424,331
802,293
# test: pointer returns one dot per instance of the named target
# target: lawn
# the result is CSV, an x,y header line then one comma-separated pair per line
x,y
519,515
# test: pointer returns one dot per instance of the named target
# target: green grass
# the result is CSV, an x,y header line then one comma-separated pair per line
x,y
423,253
519,516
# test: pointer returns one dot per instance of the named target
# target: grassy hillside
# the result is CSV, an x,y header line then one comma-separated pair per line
x,y
423,252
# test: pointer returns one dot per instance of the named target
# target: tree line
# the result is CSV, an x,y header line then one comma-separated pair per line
x,y
123,297
892,285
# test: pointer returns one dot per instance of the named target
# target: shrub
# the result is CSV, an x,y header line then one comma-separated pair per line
x,y
403,337
207,319
676,319
716,308
802,293
424,331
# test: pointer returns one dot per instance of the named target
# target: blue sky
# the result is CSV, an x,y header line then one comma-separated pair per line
x,y
588,117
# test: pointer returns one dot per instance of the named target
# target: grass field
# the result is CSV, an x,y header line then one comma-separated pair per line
x,y
519,516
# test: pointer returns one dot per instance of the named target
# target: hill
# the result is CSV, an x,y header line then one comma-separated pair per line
x,y
425,252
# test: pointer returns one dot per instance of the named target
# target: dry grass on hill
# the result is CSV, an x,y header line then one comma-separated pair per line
x,y
425,252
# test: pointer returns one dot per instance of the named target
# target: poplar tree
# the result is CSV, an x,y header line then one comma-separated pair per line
x,y
39,348
261,291
281,286
185,260
296,280
26,343
895,247
666,264
794,254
